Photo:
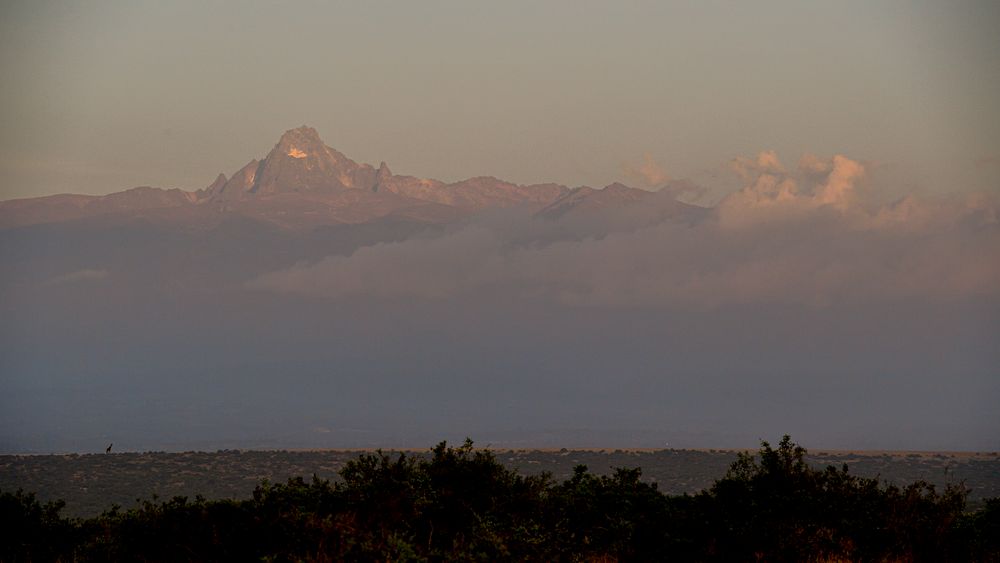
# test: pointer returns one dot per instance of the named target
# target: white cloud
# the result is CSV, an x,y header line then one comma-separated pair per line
x,y
804,238
649,173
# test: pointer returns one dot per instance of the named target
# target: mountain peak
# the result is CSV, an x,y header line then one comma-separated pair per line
x,y
303,133
300,142
217,185
302,162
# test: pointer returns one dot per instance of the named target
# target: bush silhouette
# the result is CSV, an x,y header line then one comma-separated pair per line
x,y
461,504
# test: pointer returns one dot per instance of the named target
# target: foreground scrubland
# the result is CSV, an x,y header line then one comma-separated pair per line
x,y
463,504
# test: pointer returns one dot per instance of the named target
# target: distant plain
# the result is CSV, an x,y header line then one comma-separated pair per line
x,y
92,483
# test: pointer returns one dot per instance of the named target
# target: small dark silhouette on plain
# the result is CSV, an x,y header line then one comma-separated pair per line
x,y
107,451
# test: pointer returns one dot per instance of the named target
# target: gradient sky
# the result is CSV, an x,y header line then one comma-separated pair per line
x,y
102,96
813,298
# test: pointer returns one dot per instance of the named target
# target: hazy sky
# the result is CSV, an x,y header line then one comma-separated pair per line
x,y
812,298
102,96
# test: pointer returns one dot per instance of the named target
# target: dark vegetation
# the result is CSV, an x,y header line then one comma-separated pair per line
x,y
92,483
463,504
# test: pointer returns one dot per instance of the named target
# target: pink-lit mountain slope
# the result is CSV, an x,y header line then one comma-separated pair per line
x,y
303,183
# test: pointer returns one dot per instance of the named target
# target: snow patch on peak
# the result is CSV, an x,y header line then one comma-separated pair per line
x,y
296,153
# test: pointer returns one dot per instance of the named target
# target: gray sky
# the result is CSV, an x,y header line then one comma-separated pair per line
x,y
102,96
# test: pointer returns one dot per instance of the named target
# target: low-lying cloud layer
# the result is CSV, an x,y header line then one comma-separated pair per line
x,y
801,303
807,236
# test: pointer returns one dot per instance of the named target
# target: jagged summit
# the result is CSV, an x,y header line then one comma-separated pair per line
x,y
302,163
383,176
302,182
304,134
217,185
299,162
300,143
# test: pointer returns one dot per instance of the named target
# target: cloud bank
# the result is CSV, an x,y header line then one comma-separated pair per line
x,y
649,173
802,237
802,302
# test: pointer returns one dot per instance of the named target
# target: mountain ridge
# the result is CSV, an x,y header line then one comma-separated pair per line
x,y
302,182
